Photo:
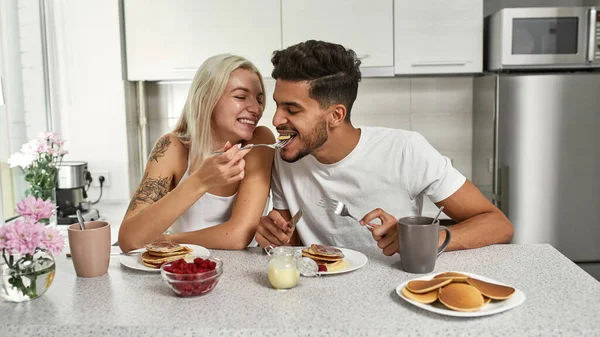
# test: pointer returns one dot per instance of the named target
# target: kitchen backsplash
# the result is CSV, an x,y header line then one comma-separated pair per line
x,y
440,108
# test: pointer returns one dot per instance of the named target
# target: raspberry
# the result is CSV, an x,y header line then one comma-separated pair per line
x,y
322,268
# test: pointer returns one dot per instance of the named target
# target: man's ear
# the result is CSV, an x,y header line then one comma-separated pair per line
x,y
337,114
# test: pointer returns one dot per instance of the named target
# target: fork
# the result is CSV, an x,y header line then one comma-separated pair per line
x,y
280,144
338,207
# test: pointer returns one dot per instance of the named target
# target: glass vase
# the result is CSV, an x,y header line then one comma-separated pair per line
x,y
26,277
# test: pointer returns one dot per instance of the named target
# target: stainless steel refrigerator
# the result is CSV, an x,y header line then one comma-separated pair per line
x,y
536,155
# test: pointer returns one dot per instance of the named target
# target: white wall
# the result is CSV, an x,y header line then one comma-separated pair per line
x,y
93,119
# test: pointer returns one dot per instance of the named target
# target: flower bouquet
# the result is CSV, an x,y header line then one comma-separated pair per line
x,y
40,160
27,245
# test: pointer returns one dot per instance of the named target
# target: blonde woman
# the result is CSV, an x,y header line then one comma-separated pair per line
x,y
211,200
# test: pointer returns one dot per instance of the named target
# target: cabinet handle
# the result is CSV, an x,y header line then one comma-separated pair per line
x,y
1,92
592,36
439,64
362,56
185,69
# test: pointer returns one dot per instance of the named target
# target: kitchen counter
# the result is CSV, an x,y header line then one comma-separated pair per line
x,y
562,300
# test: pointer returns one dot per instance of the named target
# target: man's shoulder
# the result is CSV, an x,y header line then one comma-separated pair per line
x,y
387,136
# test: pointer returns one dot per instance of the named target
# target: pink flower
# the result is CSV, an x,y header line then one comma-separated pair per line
x,y
35,208
42,147
47,135
23,237
3,237
52,240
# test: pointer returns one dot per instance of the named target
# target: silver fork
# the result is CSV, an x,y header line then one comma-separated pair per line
x,y
280,144
337,207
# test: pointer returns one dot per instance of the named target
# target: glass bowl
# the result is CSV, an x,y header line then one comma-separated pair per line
x,y
191,284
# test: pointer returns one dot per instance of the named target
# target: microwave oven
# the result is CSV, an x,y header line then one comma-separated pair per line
x,y
543,38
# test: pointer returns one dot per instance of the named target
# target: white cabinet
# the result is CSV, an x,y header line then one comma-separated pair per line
x,y
438,36
170,39
364,26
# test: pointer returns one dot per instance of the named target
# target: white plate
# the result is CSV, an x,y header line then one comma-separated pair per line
x,y
135,261
355,260
491,308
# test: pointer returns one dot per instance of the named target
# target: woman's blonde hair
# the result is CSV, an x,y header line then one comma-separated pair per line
x,y
194,126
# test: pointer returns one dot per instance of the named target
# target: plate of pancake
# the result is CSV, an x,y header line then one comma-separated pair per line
x,y
334,260
157,253
460,294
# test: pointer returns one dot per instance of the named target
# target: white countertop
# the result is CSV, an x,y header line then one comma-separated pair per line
x,y
562,300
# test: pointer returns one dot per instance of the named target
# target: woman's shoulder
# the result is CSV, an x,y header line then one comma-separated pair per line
x,y
262,134
169,150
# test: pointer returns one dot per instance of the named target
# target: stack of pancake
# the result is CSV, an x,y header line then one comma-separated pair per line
x,y
456,291
160,252
328,258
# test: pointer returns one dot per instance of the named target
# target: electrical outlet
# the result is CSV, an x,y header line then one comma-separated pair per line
x,y
96,181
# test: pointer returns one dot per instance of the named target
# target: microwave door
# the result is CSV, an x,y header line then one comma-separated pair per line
x,y
545,37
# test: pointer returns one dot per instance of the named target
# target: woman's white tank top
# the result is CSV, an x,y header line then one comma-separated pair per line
x,y
208,211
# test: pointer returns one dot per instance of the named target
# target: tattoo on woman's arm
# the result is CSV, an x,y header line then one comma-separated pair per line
x,y
150,191
160,148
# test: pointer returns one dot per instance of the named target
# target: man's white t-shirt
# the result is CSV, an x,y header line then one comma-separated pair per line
x,y
389,168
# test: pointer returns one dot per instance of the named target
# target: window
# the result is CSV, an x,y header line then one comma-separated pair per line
x,y
24,109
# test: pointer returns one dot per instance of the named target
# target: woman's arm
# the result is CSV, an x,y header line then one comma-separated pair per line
x,y
238,231
156,205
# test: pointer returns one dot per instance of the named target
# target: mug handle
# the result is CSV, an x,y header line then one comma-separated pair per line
x,y
446,241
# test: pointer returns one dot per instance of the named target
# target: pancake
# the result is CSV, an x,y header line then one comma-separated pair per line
x,y
421,286
163,246
320,259
491,290
456,277
184,251
426,298
284,137
157,261
461,297
326,251
324,254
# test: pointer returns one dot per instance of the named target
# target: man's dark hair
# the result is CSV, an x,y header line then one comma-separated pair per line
x,y
332,71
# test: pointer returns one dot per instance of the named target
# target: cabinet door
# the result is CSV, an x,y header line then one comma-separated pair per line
x,y
438,36
364,26
170,39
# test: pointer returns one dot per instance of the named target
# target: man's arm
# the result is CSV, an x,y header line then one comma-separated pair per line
x,y
480,223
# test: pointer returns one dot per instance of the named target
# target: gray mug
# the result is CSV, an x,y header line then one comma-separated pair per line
x,y
418,240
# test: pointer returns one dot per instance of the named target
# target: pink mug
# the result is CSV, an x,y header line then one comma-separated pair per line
x,y
90,248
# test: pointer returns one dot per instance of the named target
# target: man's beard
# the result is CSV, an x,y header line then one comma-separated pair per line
x,y
317,137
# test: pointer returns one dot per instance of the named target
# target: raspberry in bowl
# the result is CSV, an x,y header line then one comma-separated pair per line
x,y
194,278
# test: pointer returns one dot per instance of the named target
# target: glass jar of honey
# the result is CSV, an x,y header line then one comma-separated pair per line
x,y
286,264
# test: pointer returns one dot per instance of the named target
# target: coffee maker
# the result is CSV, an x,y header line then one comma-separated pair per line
x,y
71,193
